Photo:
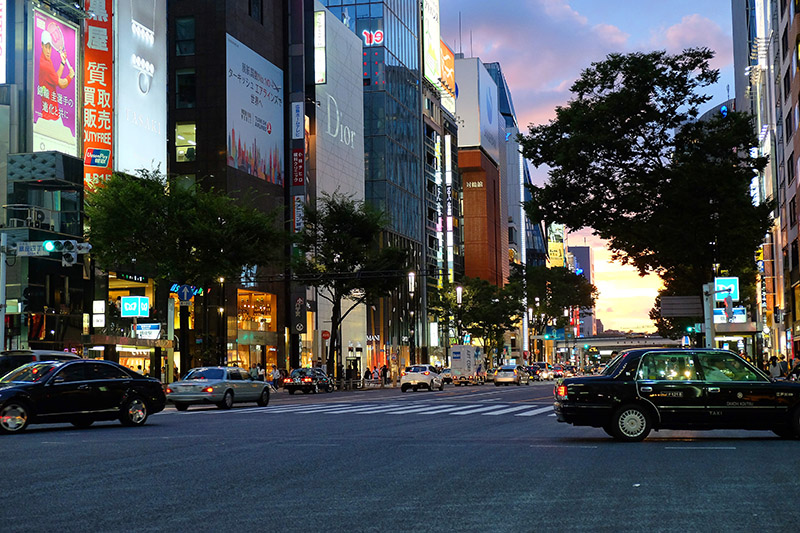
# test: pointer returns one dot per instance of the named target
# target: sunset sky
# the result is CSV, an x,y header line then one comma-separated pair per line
x,y
542,46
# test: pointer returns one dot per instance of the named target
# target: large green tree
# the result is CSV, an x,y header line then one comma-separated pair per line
x,y
629,160
549,291
178,232
343,256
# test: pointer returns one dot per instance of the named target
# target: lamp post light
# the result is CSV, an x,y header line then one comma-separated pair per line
x,y
459,292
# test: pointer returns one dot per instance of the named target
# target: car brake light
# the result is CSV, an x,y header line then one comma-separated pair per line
x,y
306,380
287,380
426,373
561,391
208,389
402,374
169,390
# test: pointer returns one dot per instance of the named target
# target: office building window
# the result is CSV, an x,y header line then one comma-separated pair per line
x,y
185,145
185,96
184,36
792,212
790,168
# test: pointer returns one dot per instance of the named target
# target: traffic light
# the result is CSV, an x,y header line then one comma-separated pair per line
x,y
729,308
689,329
585,346
68,250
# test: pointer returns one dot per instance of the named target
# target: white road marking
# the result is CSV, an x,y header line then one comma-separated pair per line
x,y
699,447
537,411
509,410
479,409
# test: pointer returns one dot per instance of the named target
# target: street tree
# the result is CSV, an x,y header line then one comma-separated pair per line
x,y
487,312
628,159
343,256
178,233
549,291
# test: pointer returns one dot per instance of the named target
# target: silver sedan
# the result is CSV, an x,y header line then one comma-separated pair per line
x,y
508,374
218,385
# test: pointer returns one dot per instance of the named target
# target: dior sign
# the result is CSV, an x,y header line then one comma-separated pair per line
x,y
335,128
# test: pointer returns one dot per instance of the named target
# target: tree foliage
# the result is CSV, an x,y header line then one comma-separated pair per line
x,y
343,256
627,159
177,233
551,290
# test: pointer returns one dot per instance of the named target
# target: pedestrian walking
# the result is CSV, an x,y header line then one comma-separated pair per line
x,y
774,367
253,371
261,372
385,374
784,366
275,376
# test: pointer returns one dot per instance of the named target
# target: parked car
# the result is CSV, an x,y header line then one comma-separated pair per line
x,y
416,376
308,380
13,359
447,376
218,385
541,371
651,389
511,374
79,392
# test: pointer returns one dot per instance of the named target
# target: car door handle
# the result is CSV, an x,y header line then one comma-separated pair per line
x,y
713,389
83,387
647,389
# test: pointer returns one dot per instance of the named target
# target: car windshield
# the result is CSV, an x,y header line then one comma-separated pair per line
x,y
612,365
508,368
206,373
419,369
299,372
30,373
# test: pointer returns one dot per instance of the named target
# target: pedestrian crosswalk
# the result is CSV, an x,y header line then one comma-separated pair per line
x,y
392,408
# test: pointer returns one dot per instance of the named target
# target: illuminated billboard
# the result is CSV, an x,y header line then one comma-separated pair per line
x,y
477,106
98,101
55,98
448,78
140,135
431,43
254,113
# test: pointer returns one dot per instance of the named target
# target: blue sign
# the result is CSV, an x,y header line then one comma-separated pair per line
x,y
724,287
185,293
134,306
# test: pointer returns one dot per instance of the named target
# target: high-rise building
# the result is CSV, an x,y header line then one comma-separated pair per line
x,y
766,85
584,266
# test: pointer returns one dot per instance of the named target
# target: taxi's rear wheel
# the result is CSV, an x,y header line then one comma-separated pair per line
x,y
263,400
227,400
630,423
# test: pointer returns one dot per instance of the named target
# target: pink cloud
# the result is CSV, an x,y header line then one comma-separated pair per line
x,y
696,30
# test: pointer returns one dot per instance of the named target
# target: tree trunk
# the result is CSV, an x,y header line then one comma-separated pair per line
x,y
335,345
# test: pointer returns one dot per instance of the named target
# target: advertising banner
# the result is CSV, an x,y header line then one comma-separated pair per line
x,y
55,98
490,115
431,42
255,113
140,135
98,101
448,78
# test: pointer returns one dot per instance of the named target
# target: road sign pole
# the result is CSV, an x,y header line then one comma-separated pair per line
x,y
708,314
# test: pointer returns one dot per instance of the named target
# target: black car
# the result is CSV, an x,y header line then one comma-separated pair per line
x,y
645,389
79,392
308,380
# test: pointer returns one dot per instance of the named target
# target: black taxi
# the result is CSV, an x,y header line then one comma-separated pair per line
x,y
645,389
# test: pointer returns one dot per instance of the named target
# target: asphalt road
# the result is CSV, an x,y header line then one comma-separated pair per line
x,y
465,459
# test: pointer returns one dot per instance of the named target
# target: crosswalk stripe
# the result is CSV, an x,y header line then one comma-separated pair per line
x,y
480,409
436,410
537,411
416,409
509,410
368,409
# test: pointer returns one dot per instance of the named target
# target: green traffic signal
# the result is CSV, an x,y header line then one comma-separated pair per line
x,y
49,246
689,329
585,346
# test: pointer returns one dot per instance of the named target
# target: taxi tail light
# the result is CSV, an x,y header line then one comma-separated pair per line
x,y
426,373
287,380
306,380
169,390
402,374
208,389
561,391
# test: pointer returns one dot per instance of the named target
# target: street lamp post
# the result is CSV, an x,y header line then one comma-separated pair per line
x,y
459,291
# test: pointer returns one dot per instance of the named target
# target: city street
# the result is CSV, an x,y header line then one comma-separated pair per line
x,y
482,458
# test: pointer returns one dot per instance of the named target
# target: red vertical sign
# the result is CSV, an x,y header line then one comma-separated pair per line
x,y
98,82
